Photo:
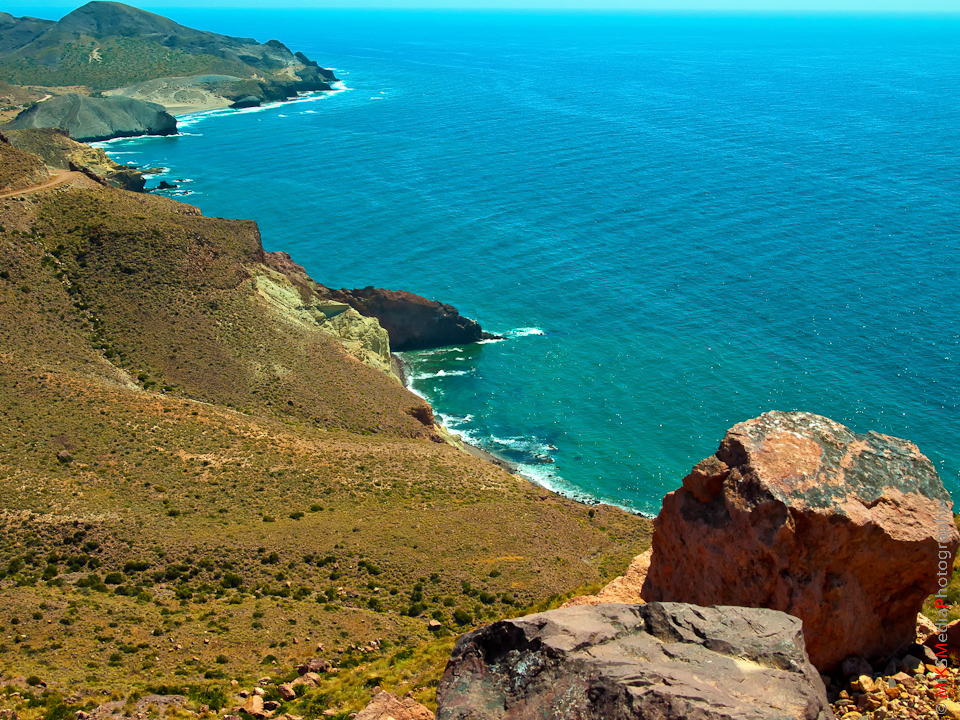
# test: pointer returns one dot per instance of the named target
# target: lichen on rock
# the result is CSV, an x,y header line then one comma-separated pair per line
x,y
797,513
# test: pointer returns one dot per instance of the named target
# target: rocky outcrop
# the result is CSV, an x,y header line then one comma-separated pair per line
x,y
57,150
614,662
362,337
623,589
87,119
247,101
797,513
412,322
387,706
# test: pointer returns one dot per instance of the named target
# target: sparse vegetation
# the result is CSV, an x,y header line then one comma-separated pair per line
x,y
250,427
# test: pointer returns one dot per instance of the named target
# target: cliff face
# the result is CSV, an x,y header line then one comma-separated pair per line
x,y
412,322
361,336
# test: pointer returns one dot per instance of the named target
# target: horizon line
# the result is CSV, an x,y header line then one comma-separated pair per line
x,y
781,12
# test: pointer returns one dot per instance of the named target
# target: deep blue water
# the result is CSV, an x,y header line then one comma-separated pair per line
x,y
678,222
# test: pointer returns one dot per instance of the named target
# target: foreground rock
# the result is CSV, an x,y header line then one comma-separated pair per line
x,y
612,662
797,513
412,322
88,119
387,706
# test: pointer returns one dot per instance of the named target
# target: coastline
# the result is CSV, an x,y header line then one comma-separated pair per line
x,y
402,371
398,365
406,379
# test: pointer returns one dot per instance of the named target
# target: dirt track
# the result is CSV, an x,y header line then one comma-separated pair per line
x,y
60,177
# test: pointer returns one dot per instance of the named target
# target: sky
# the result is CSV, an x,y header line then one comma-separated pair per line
x,y
54,9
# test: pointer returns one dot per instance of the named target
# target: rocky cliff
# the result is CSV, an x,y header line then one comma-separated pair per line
x,y
56,149
412,322
87,119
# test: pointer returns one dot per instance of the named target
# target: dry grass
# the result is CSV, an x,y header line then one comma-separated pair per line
x,y
232,492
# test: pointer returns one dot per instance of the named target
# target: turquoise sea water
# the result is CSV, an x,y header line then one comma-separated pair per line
x,y
677,222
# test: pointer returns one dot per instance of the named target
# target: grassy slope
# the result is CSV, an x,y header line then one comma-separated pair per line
x,y
315,507
20,169
122,61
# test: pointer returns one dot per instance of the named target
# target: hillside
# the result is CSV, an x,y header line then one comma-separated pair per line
x,y
108,45
206,469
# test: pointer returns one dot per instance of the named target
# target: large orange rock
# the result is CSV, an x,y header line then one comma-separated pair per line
x,y
387,706
797,513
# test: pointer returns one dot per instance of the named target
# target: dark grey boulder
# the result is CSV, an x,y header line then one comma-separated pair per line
x,y
246,102
667,661
88,119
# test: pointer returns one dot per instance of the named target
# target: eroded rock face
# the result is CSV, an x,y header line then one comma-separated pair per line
x,y
796,513
617,662
412,322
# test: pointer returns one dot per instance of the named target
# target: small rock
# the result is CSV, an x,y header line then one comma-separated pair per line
x,y
287,692
925,654
253,706
925,628
259,691
244,693
271,705
911,664
64,457
864,683
903,679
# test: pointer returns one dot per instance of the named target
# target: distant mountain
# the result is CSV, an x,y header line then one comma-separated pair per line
x,y
17,32
109,45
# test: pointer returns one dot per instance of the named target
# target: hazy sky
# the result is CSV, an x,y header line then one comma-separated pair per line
x,y
57,8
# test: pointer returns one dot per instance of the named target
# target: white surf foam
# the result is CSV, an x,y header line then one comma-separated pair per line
x,y
440,374
524,332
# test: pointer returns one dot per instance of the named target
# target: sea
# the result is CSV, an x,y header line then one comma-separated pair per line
x,y
676,222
